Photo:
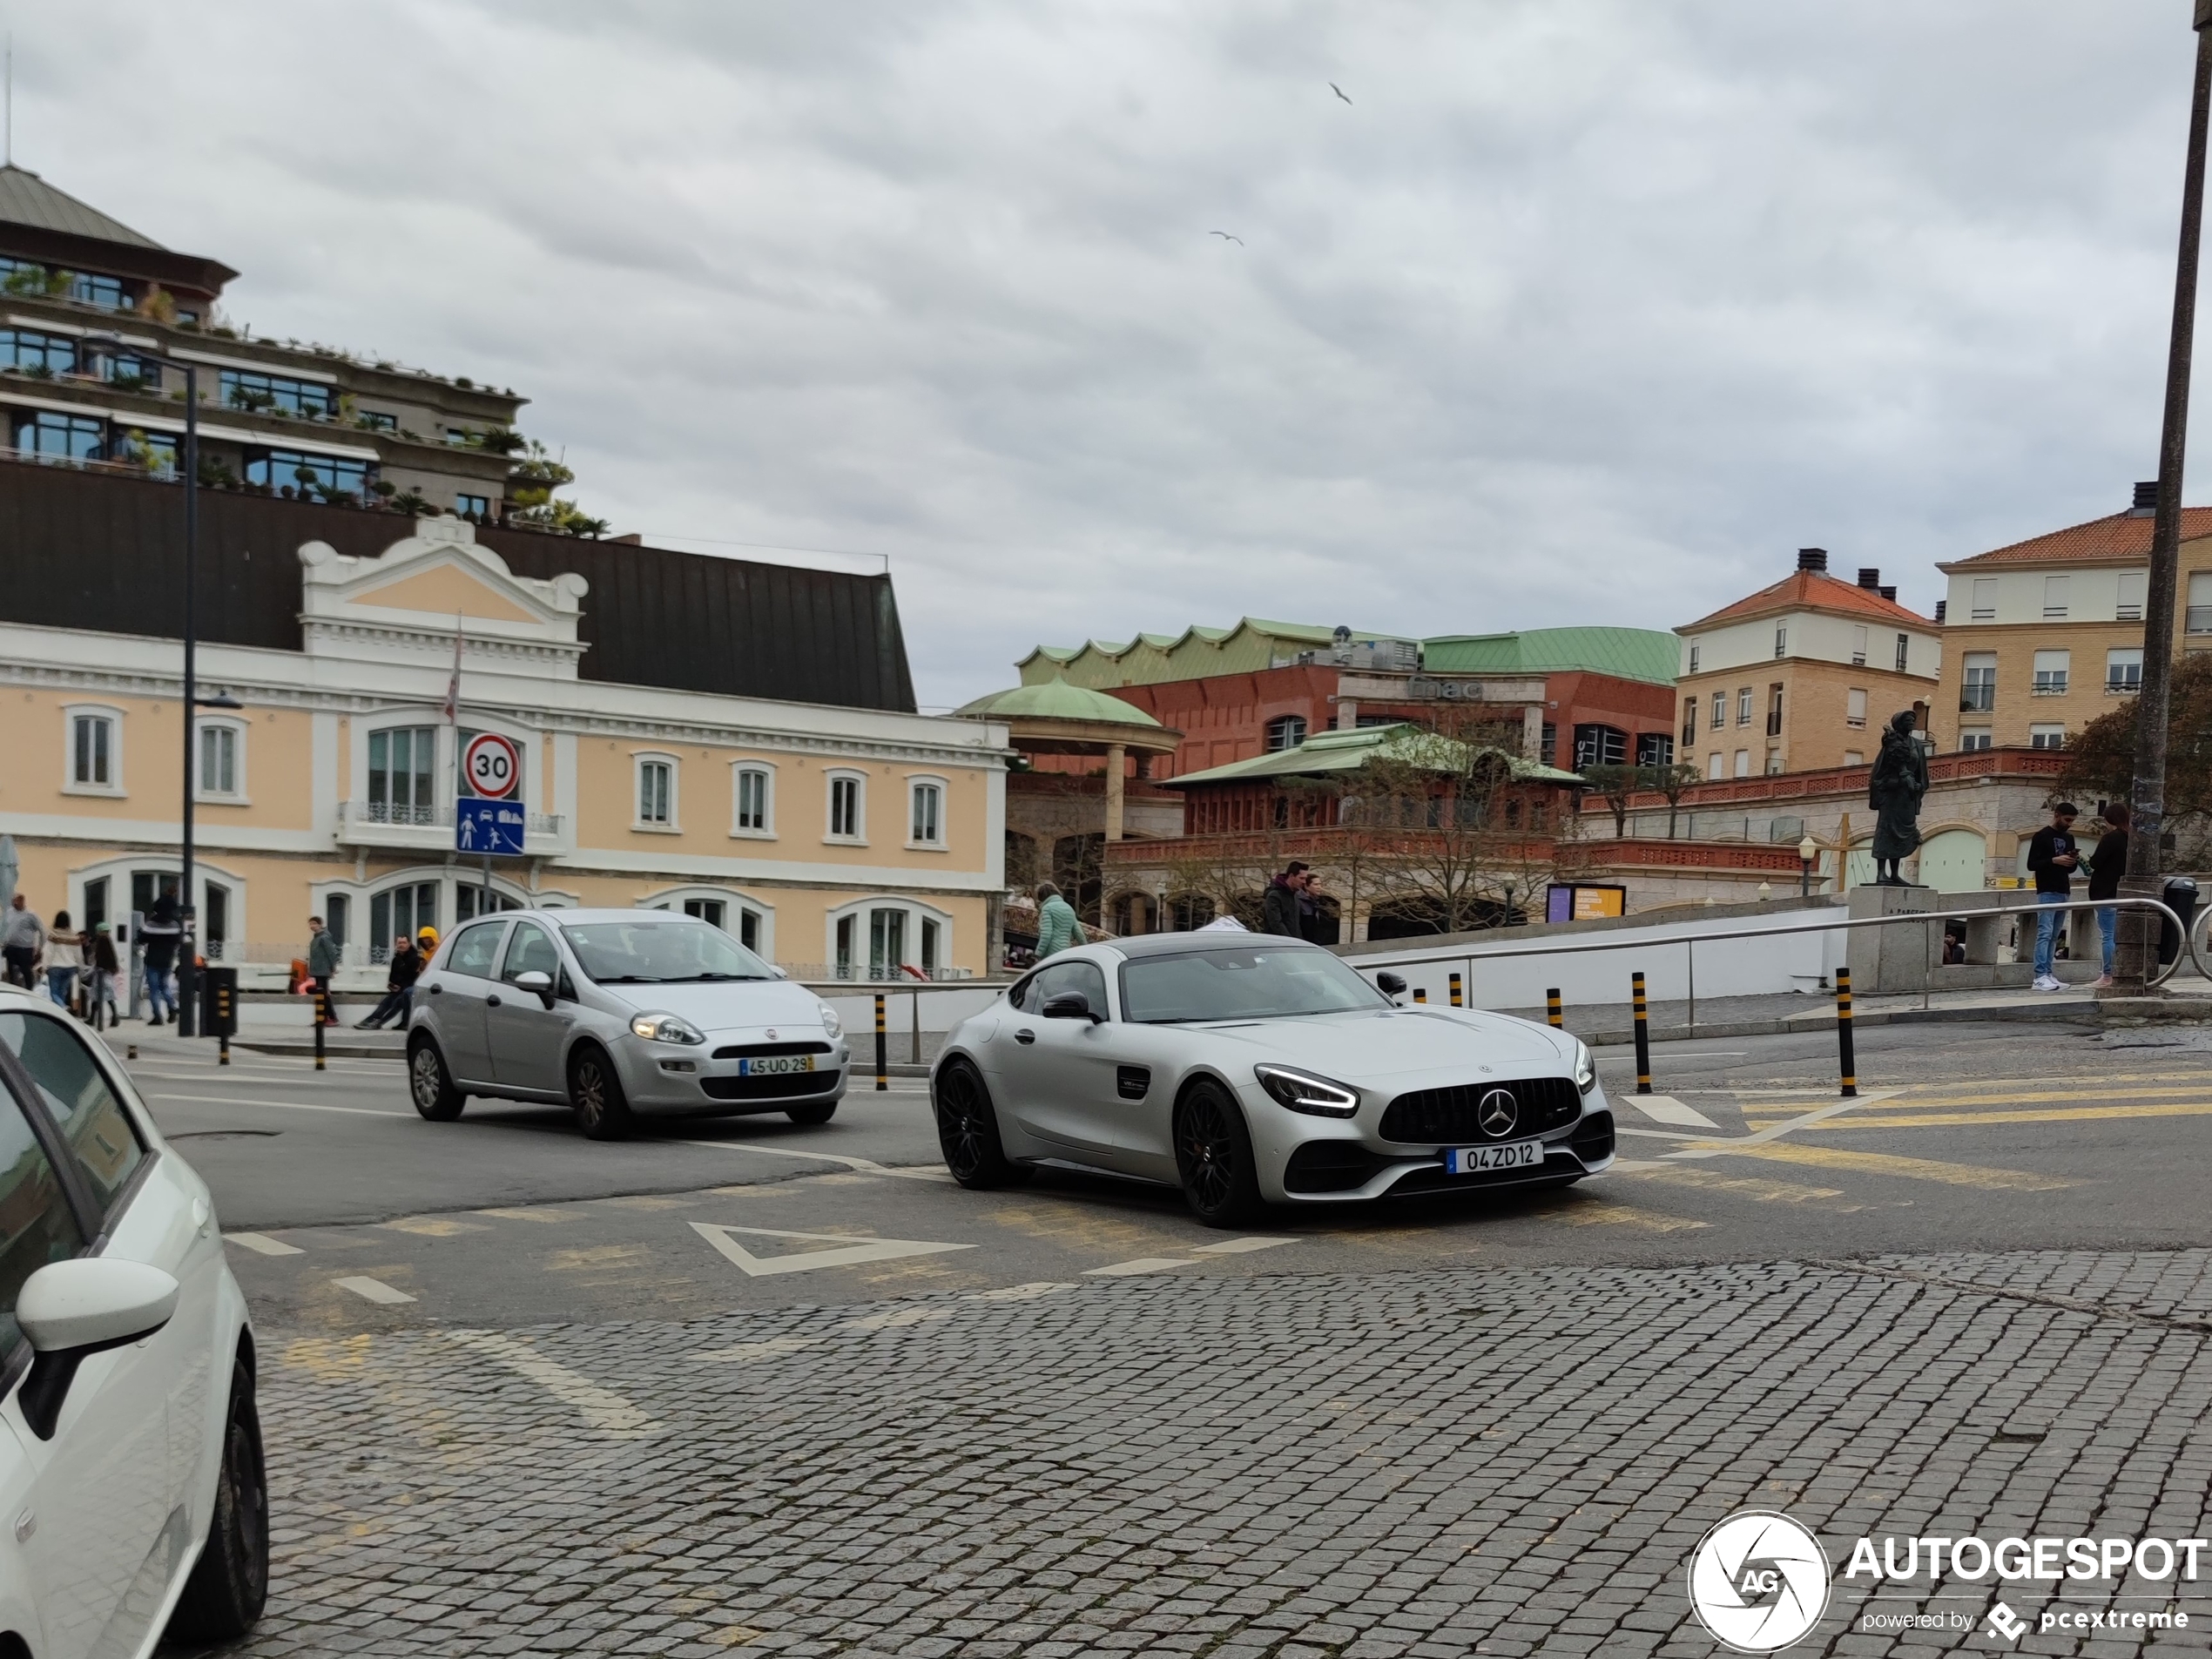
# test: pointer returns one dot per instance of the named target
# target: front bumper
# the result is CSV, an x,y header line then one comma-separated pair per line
x,y
708,1080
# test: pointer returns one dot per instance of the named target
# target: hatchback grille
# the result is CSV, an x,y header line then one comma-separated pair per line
x,y
761,1050
783,1085
1453,1115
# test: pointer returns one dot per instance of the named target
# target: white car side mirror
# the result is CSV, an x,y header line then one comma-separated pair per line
x,y
73,1309
779,972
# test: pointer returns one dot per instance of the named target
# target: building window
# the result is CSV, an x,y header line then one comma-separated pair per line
x,y
1713,766
1853,757
219,759
1688,722
1858,648
150,452
50,435
657,793
2199,620
1693,660
1973,739
376,421
1720,710
38,354
403,910
1285,732
476,506
1774,711
2047,737
94,752
1781,642
1600,745
2054,592
1903,651
1979,693
306,474
1773,763
1548,751
1855,707
403,761
753,801
1655,749
2124,669
2132,585
278,393
1744,706
1744,763
1985,599
845,807
928,816
105,292
2052,668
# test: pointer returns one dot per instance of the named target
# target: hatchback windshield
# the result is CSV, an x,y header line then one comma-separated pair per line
x,y
1255,983
660,953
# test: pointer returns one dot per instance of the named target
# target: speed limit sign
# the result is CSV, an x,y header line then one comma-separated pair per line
x,y
489,767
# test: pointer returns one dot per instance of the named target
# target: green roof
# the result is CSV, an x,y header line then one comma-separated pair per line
x,y
1149,659
1329,752
1054,699
1631,653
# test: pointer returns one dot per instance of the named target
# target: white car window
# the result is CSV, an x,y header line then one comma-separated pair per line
x,y
36,1225
476,950
1062,977
77,1097
1254,982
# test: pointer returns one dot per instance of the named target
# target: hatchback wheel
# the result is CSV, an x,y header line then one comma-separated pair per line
x,y
602,1110
818,1111
230,1579
431,1085
967,1130
1213,1153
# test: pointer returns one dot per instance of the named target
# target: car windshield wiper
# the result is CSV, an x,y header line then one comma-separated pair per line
x,y
687,979
629,979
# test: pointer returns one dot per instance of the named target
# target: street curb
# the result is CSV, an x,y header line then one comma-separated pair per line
x,y
2066,1013
862,1076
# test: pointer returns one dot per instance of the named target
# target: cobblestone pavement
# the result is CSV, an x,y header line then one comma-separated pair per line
x,y
1422,1462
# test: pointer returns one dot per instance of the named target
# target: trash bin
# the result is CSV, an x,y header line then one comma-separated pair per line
x,y
2181,899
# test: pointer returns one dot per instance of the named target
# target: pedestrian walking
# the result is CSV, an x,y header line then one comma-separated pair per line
x,y
2053,857
100,972
158,937
61,961
399,986
1058,927
322,966
2106,865
20,935
1278,906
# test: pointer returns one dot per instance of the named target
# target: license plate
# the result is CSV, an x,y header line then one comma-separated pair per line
x,y
775,1065
1474,1160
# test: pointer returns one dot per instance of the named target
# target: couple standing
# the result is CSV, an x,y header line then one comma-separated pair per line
x,y
1293,905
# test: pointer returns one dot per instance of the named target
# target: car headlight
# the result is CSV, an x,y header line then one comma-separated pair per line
x,y
1585,1066
664,1027
831,1024
1304,1092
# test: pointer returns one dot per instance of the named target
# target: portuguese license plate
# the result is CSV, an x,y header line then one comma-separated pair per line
x,y
1476,1160
775,1065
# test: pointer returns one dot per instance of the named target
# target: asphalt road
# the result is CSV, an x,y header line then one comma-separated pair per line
x,y
349,1212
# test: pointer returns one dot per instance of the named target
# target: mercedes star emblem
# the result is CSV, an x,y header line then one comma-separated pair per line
x,y
1497,1113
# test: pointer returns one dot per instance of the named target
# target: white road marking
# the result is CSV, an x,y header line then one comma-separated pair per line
x,y
866,1166
1665,1109
849,1251
280,1105
897,1318
1142,1264
1238,1246
1016,1293
742,1352
1715,1148
601,1408
262,1245
372,1290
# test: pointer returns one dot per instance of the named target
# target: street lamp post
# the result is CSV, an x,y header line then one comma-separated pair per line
x,y
1808,850
2136,958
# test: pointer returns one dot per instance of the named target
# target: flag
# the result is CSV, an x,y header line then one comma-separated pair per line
x,y
452,685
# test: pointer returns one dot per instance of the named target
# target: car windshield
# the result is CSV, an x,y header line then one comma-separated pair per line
x,y
660,953
1253,983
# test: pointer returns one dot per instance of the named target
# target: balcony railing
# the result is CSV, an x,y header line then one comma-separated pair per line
x,y
356,816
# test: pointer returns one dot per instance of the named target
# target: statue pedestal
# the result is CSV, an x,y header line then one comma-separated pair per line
x,y
1893,958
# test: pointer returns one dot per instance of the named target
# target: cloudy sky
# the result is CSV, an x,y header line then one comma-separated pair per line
x,y
1578,311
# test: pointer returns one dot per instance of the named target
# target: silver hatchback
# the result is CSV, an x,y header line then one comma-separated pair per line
x,y
619,1014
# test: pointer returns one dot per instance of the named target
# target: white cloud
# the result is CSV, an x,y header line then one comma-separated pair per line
x,y
1583,310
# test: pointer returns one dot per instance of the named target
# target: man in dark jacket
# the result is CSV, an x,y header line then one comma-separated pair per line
x,y
2106,866
1279,909
399,986
2053,856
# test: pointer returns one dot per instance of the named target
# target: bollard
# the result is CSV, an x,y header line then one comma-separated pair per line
x,y
1420,996
321,1011
882,1048
1849,1061
1552,1014
130,1051
1643,1036
1458,1000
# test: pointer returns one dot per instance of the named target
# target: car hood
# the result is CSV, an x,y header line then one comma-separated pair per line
x,y
1353,1047
727,1004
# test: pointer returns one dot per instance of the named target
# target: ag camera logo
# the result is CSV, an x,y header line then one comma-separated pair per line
x,y
1758,1582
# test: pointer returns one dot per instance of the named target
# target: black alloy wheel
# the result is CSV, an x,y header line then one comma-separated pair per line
x,y
602,1110
1213,1154
967,1130
430,1084
230,1582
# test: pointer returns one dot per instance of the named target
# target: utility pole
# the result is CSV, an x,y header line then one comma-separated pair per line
x,y
2136,958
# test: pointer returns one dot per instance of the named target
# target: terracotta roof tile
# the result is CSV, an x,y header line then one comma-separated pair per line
x,y
2102,540
1807,590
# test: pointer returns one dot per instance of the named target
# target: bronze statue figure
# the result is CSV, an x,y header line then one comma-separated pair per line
x,y
1894,790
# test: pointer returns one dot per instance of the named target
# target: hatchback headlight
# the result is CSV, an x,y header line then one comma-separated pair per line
x,y
664,1027
1304,1092
831,1024
1585,1066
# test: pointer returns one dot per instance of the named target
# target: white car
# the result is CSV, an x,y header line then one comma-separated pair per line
x,y
1249,1071
132,1500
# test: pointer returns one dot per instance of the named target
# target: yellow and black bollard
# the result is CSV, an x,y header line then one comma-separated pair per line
x,y
882,1048
1849,1061
1554,1015
322,1014
1459,1000
1420,996
1643,1036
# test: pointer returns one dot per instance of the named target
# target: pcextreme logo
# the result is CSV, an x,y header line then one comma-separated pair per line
x,y
1758,1582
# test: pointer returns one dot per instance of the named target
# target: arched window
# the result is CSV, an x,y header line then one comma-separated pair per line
x,y
1286,732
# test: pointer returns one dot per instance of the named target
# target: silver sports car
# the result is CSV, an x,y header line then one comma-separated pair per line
x,y
1251,1070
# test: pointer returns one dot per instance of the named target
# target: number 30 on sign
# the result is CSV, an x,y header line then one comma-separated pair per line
x,y
489,767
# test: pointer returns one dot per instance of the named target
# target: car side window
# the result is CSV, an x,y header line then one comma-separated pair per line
x,y
78,1099
36,1224
529,951
1021,999
1062,977
476,950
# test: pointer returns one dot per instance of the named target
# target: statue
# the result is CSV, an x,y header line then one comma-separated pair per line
x,y
1899,780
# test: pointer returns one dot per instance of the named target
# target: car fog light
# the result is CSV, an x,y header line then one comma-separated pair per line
x,y
1304,1092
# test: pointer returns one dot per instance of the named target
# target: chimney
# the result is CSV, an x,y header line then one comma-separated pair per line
x,y
1889,594
2145,500
1870,579
1940,604
1812,558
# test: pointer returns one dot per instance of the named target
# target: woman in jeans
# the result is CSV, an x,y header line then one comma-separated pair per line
x,y
2106,866
62,956
101,969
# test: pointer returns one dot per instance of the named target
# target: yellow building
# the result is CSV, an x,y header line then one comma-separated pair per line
x,y
2042,636
849,841
1801,675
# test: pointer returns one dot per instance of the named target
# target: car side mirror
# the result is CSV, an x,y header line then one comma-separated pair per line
x,y
540,985
1390,984
779,971
73,1309
1069,1005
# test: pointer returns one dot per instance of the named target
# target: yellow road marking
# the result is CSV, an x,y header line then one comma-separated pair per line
x,y
1760,1191
1957,1175
1584,1213
433,1226
2099,1091
2045,1114
547,1215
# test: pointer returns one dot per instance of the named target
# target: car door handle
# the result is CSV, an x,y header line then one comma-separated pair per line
x,y
1025,1035
491,1001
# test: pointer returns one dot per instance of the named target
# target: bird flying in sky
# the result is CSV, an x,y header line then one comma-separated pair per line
x,y
1339,90
1225,237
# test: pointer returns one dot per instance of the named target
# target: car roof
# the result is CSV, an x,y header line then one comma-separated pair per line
x,y
566,914
1142,944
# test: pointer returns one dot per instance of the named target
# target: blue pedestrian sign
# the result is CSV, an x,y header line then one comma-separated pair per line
x,y
487,826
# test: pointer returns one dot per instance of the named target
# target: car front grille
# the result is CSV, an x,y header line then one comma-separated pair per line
x,y
781,1086
761,1050
1453,1115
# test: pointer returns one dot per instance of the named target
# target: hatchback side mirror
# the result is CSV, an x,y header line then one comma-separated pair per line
x,y
1069,1005
1390,985
73,1309
540,985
